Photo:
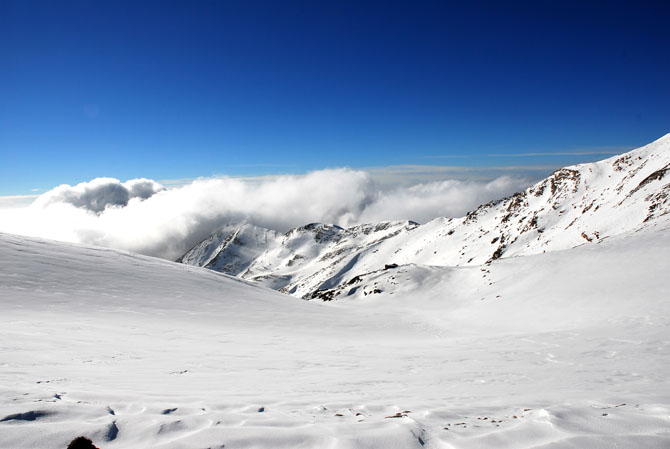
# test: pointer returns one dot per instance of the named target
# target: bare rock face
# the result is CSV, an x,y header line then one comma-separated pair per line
x,y
576,205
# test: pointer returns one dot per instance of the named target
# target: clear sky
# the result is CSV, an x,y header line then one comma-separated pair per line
x,y
170,90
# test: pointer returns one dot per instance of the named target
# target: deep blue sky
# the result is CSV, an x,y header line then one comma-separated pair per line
x,y
183,89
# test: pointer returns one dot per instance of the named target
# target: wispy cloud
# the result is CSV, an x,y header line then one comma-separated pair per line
x,y
13,201
18,197
597,151
454,169
600,151
408,175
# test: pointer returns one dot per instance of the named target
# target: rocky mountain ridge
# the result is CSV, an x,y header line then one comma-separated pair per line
x,y
575,205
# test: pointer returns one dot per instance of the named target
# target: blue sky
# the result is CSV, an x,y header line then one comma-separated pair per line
x,y
171,90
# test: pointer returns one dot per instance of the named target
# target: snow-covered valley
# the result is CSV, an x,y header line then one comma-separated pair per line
x,y
564,349
425,339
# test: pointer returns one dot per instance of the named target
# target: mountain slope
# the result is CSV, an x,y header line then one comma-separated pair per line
x,y
558,350
231,249
575,205
283,261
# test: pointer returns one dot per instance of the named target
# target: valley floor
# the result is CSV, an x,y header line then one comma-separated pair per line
x,y
562,350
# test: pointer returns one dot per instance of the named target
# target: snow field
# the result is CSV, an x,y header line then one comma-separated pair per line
x,y
564,349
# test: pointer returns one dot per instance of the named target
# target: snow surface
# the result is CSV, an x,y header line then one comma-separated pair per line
x,y
568,349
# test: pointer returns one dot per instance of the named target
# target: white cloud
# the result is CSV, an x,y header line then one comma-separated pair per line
x,y
139,215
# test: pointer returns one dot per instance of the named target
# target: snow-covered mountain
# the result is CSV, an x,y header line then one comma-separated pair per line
x,y
284,261
575,205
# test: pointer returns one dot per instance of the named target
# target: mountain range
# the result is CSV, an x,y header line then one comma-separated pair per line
x,y
576,205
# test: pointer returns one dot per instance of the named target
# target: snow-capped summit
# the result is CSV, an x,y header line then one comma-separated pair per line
x,y
575,205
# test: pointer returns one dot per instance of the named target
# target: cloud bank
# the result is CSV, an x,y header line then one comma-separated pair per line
x,y
142,216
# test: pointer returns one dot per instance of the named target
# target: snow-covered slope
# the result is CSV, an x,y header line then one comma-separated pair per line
x,y
286,261
575,205
558,350
231,249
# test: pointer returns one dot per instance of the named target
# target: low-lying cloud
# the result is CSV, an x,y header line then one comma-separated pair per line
x,y
142,216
